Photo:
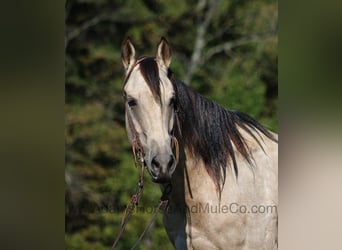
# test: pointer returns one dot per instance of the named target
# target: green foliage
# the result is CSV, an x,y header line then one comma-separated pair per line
x,y
100,173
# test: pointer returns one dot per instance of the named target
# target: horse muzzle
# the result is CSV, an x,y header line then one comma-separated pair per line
x,y
162,167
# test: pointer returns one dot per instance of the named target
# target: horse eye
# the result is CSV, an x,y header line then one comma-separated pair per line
x,y
132,103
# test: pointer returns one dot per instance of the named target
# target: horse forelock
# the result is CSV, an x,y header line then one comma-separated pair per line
x,y
211,132
149,70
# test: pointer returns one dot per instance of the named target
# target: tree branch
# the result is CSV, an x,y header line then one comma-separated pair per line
x,y
202,57
120,15
86,25
232,44
200,38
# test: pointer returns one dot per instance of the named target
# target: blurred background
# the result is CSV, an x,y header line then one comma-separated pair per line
x,y
224,49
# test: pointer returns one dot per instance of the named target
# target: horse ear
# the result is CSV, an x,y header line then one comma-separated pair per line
x,y
127,53
164,53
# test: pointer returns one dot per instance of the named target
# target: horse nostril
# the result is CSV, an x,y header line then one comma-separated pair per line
x,y
162,161
162,167
155,162
171,161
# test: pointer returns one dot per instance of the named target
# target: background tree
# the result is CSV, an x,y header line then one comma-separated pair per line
x,y
226,50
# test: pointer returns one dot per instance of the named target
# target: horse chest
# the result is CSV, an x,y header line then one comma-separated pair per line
x,y
205,225
198,219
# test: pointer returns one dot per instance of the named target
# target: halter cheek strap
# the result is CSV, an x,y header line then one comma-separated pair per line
x,y
138,151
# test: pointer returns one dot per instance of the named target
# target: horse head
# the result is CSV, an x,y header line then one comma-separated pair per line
x,y
150,109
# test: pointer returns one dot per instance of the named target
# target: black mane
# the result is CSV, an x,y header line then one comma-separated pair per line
x,y
208,130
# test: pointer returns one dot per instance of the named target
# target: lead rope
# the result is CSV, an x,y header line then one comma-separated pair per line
x,y
133,202
163,204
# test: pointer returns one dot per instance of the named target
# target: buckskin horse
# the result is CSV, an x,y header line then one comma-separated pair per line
x,y
222,164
